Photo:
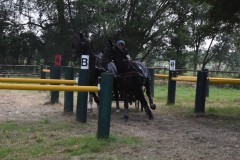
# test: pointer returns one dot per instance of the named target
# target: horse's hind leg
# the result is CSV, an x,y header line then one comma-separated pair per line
x,y
148,92
125,99
90,102
139,94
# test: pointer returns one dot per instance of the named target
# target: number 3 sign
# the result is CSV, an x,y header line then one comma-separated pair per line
x,y
172,65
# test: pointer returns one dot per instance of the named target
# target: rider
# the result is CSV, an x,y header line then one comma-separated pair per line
x,y
121,45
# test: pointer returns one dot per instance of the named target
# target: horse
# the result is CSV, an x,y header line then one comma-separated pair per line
x,y
141,68
130,78
97,65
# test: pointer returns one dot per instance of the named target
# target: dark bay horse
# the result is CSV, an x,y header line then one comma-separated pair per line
x,y
97,64
130,78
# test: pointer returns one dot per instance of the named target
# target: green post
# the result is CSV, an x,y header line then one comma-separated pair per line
x,y
83,80
43,75
104,116
68,96
55,73
171,88
200,98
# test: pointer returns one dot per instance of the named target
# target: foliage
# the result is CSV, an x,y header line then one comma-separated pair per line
x,y
190,31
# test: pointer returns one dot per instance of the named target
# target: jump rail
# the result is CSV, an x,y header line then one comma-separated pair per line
x,y
49,87
202,88
211,80
46,70
32,80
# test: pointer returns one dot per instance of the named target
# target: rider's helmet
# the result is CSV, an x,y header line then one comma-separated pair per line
x,y
120,42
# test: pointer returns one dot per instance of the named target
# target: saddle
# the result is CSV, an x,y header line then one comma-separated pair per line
x,y
140,68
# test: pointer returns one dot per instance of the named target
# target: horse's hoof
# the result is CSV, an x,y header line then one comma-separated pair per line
x,y
150,117
90,110
125,118
153,106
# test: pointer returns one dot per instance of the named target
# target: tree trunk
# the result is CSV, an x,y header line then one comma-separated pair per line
x,y
62,25
70,14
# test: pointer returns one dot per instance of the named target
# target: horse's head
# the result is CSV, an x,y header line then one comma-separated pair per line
x,y
115,54
80,45
112,51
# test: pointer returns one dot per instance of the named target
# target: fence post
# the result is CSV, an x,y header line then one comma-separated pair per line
x,y
171,88
43,75
83,80
201,92
104,116
55,73
207,83
68,96
151,73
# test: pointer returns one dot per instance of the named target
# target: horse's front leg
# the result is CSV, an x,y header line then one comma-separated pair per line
x,y
116,95
125,100
95,97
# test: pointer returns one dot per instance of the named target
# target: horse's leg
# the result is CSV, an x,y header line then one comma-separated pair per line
x,y
125,99
90,102
148,92
139,94
116,94
117,102
95,97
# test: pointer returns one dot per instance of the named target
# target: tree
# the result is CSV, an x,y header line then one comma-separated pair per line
x,y
142,25
233,56
224,11
180,36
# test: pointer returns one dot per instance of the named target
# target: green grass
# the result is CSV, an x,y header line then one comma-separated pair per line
x,y
47,139
221,101
30,140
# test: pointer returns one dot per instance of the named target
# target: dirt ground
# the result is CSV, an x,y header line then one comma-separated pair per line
x,y
168,136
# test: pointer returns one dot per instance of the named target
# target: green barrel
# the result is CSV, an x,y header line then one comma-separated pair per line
x,y
104,116
55,73
68,96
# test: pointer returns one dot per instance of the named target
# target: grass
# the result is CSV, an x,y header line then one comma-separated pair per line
x,y
47,139
221,101
30,140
